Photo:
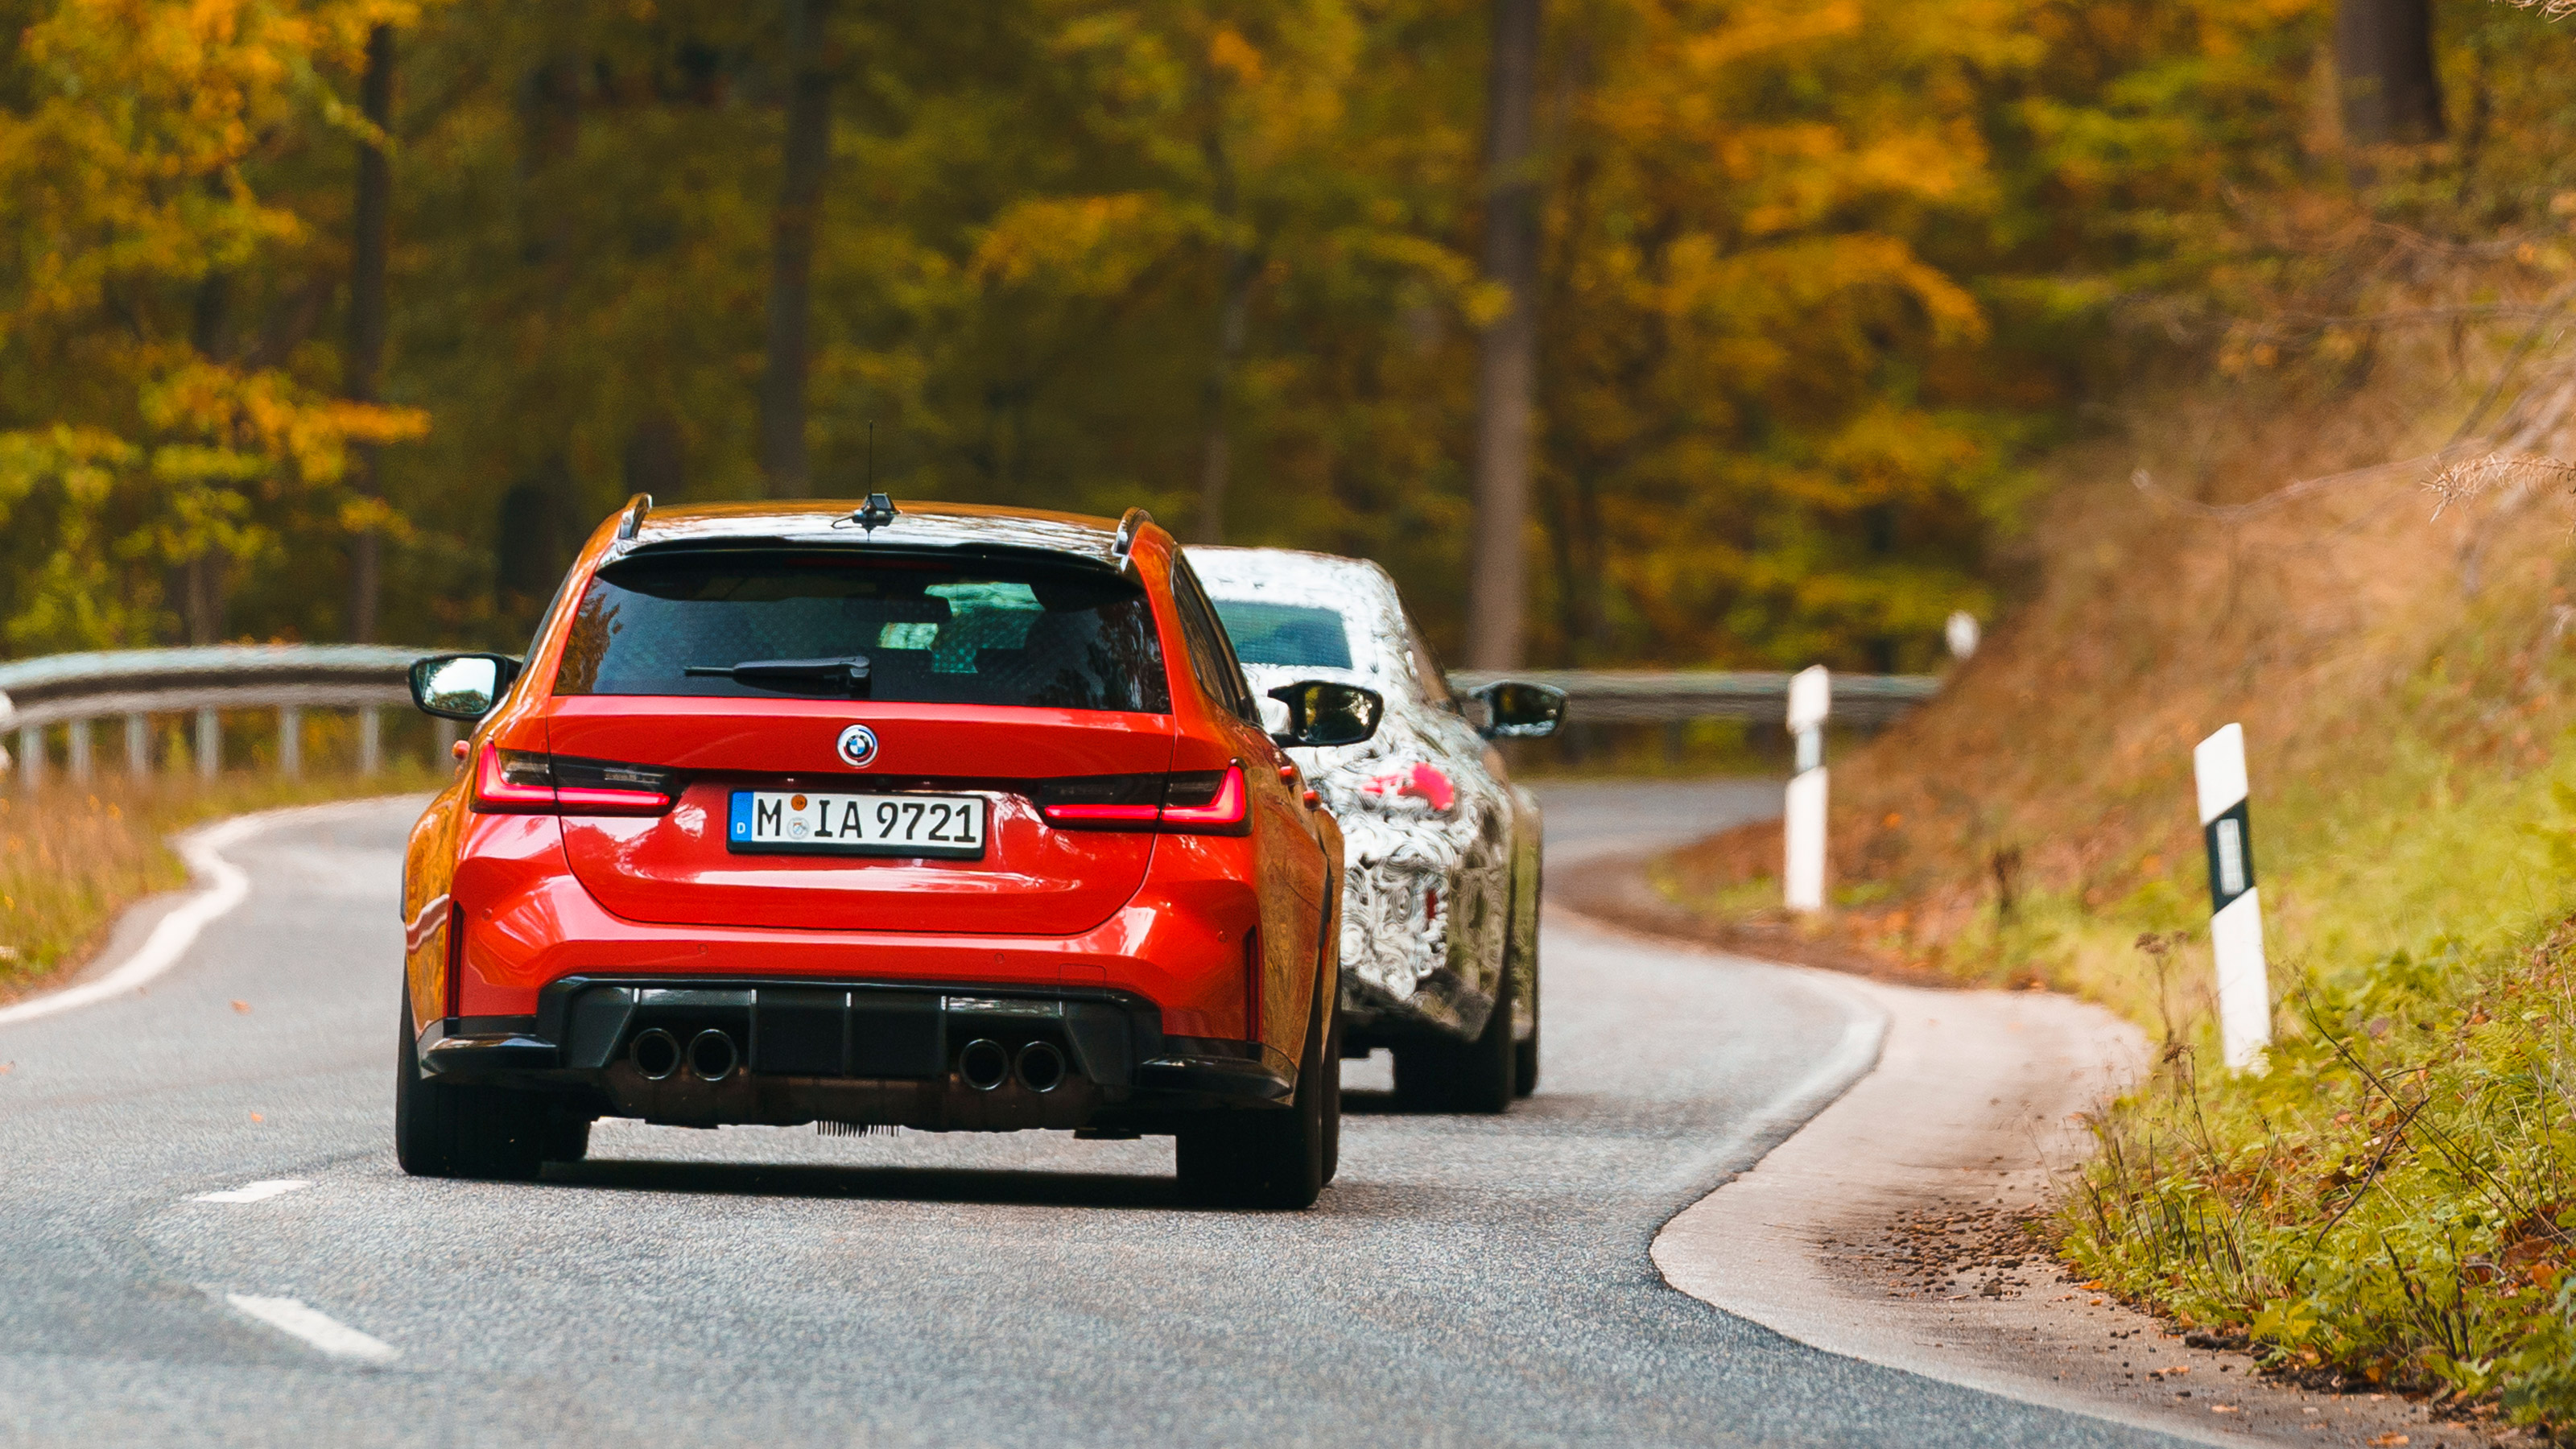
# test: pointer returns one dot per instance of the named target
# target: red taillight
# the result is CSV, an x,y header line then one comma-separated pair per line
x,y
1227,807
514,782
522,782
571,801
1103,814
1201,802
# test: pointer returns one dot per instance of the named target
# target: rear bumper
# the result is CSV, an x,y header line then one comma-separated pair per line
x,y
528,923
863,1052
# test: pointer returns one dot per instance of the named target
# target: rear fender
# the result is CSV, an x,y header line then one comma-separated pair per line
x,y
509,887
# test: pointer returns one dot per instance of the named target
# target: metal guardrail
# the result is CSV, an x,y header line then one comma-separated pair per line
x,y
1650,696
72,691
66,694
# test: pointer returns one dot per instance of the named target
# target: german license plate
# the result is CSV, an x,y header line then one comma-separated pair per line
x,y
802,822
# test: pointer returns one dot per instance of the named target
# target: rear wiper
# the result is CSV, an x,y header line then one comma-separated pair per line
x,y
849,676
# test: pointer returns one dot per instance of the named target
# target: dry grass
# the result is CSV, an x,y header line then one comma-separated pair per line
x,y
2241,552
2392,1199
72,857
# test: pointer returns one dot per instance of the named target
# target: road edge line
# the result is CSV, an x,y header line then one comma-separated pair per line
x,y
226,887
1723,1212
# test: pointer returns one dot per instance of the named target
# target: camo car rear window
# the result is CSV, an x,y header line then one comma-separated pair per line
x,y
1299,636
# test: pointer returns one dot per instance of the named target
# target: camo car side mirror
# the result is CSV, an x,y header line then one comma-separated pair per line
x,y
1518,711
1324,712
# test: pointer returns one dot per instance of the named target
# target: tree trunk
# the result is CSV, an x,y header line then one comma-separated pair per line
x,y
654,461
791,260
1242,265
1507,354
550,139
200,581
2384,69
365,356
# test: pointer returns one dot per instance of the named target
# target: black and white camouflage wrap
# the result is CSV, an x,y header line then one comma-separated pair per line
x,y
1428,902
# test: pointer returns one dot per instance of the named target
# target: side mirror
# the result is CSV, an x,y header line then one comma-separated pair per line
x,y
1322,712
1518,711
461,686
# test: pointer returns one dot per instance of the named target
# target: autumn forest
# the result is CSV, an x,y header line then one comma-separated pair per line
x,y
333,319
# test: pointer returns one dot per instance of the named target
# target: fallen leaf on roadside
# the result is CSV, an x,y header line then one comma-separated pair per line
x,y
242,1006
257,1118
2180,1368
2388,1439
7,1067
2222,1408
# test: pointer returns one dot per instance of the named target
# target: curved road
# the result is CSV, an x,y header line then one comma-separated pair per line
x,y
1466,1281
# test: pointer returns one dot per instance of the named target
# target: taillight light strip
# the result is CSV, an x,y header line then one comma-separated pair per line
x,y
522,782
1225,811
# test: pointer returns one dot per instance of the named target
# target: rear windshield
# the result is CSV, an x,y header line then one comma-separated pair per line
x,y
932,632
1299,635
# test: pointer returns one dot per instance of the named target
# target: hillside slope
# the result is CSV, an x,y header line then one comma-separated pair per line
x,y
2392,1199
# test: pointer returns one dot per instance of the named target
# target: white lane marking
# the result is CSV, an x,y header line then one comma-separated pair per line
x,y
321,1330
226,886
255,1191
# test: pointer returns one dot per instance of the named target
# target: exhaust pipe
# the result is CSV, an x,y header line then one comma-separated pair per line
x,y
984,1064
712,1055
655,1053
1041,1067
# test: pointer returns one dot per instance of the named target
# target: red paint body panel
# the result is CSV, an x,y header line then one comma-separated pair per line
x,y
676,869
1165,916
1179,942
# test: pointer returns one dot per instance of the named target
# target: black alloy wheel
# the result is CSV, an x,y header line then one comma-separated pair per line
x,y
444,1129
1271,1159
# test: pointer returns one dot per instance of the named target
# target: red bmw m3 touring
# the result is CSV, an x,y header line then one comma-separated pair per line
x,y
944,817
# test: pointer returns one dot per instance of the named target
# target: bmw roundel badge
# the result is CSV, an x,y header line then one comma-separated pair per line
x,y
857,746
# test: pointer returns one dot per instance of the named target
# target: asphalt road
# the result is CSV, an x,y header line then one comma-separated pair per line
x,y
1466,1281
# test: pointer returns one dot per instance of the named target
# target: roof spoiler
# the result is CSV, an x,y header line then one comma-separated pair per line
x,y
632,521
1123,551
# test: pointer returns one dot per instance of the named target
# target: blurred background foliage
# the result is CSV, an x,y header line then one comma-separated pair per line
x,y
1820,278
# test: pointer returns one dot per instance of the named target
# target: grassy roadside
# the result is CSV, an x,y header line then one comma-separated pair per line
x,y
74,856
2394,1199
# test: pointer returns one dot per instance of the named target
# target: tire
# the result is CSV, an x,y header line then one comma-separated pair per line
x,y
447,1130
1330,992
1525,1053
1272,1159
1478,1076
1331,1082
567,1138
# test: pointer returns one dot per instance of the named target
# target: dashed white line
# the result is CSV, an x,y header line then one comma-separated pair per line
x,y
254,1191
312,1325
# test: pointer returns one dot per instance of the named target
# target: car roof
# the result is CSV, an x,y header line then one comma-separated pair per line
x,y
1357,589
1284,572
917,525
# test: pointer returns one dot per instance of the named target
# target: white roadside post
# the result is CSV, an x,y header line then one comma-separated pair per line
x,y
1962,635
2235,912
1803,823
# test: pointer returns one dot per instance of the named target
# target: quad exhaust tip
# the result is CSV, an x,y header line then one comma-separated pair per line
x,y
984,1064
655,1053
712,1055
1041,1067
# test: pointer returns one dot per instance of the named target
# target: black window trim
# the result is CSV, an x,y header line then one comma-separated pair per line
x,y
1190,598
